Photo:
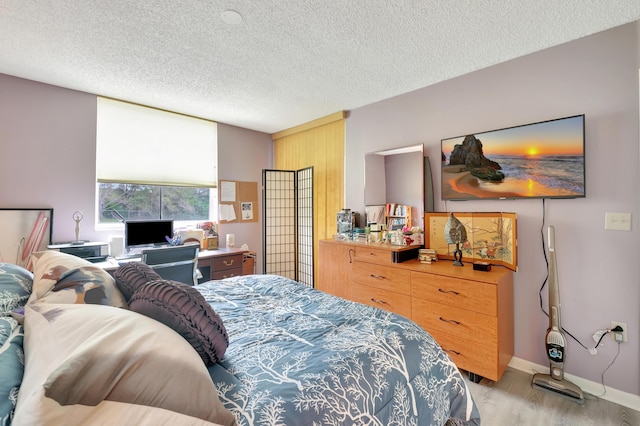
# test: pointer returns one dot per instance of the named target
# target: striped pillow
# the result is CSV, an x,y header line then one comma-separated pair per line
x,y
132,275
184,309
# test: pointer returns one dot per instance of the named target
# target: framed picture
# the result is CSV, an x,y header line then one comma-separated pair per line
x,y
247,210
22,232
491,237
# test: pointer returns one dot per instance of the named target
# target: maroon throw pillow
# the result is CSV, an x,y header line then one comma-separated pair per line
x,y
130,276
185,310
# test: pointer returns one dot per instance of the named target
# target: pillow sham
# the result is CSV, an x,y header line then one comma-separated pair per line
x,y
86,354
16,284
185,310
11,366
64,278
132,275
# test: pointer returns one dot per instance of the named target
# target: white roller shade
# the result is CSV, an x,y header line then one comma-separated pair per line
x,y
142,145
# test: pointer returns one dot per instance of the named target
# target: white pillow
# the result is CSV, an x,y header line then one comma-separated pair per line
x,y
84,354
64,278
105,413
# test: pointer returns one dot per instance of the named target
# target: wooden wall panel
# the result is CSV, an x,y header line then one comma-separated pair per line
x,y
319,144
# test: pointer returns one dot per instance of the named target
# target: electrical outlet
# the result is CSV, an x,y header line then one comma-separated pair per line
x,y
623,333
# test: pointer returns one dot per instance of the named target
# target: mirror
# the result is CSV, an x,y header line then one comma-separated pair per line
x,y
395,176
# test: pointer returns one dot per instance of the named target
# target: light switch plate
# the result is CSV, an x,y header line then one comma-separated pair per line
x,y
617,221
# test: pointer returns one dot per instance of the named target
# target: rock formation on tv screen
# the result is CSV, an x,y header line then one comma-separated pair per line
x,y
469,154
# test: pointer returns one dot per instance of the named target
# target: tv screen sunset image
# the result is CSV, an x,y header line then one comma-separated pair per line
x,y
540,160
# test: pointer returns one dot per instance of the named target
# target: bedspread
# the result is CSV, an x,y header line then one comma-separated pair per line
x,y
298,356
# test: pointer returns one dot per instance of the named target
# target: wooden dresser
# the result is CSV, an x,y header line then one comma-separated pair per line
x,y
469,313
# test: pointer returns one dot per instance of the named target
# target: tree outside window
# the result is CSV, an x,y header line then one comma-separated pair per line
x,y
123,201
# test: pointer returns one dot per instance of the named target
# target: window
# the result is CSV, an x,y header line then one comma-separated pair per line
x,y
123,201
154,164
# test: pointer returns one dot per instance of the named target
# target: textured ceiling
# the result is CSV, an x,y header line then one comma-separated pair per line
x,y
289,62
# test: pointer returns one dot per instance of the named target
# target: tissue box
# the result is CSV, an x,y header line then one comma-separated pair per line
x,y
413,239
210,243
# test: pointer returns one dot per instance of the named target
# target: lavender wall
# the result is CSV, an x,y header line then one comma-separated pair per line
x,y
599,271
47,157
245,154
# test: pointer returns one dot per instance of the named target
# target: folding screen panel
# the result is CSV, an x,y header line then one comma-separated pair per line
x,y
288,224
305,225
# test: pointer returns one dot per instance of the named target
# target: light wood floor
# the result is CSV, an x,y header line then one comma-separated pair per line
x,y
512,401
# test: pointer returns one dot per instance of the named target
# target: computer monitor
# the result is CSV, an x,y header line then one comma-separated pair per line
x,y
147,233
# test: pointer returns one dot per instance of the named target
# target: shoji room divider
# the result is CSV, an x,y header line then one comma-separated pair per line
x,y
288,224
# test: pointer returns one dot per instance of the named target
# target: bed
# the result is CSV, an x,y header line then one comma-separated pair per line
x,y
300,356
275,352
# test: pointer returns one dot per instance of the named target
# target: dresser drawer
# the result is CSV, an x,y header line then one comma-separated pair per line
x,y
457,322
219,275
383,299
371,254
383,277
223,263
470,356
472,295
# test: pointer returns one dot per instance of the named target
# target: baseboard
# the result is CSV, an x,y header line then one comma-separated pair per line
x,y
594,388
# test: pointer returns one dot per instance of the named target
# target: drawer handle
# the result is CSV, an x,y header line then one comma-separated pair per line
x,y
451,350
228,276
382,302
448,291
228,262
450,320
372,253
378,277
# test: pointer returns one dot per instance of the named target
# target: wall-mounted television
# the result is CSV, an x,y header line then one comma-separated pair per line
x,y
146,233
537,160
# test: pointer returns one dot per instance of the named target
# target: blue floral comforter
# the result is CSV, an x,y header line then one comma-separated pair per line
x,y
298,356
11,366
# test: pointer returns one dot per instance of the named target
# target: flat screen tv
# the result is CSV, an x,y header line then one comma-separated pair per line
x,y
144,233
537,160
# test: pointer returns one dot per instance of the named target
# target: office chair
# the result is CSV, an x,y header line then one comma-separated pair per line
x,y
177,263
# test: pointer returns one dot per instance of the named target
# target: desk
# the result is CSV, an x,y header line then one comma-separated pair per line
x,y
220,263
213,264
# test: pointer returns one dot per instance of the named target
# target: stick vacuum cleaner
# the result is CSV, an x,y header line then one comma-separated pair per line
x,y
555,342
